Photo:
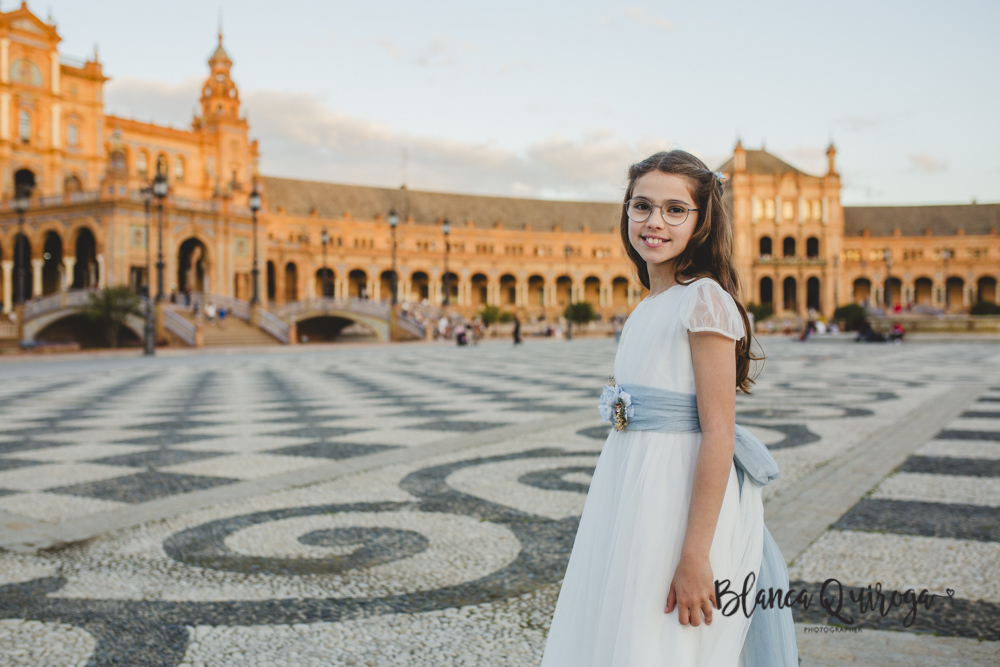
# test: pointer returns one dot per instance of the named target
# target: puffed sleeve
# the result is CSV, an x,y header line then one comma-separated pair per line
x,y
711,308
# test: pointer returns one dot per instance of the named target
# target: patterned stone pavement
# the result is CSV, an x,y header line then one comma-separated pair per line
x,y
415,505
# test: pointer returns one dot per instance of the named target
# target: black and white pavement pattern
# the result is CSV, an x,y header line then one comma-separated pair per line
x,y
443,558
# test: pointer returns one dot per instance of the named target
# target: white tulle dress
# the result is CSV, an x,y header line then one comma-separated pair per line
x,y
610,610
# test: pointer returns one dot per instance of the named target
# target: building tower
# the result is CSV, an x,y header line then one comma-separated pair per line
x,y
229,156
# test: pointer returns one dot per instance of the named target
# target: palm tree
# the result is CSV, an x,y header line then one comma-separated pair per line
x,y
110,307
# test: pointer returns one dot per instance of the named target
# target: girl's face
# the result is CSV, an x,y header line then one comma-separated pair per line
x,y
655,240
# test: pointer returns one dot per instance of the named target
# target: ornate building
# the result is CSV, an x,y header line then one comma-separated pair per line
x,y
84,173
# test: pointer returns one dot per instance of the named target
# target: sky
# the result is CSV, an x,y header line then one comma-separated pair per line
x,y
554,99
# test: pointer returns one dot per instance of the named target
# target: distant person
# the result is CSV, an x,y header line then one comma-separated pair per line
x,y
896,333
222,315
517,331
460,337
210,312
616,326
442,327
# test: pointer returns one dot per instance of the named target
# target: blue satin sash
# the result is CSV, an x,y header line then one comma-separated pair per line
x,y
770,641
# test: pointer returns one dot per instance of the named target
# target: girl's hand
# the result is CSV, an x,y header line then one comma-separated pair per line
x,y
692,592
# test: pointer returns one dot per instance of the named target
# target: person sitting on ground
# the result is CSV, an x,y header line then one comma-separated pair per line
x,y
896,333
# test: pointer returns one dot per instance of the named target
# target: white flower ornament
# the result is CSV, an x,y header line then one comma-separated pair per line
x,y
616,406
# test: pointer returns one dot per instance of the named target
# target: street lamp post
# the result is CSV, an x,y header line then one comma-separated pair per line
x,y
393,221
325,240
446,228
886,291
159,191
568,251
150,336
946,255
21,203
254,207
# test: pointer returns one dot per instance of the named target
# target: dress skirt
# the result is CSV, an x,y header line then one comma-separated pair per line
x,y
610,610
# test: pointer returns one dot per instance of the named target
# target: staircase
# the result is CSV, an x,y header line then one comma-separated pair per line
x,y
231,332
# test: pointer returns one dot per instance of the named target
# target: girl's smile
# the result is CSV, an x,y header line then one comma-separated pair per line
x,y
655,240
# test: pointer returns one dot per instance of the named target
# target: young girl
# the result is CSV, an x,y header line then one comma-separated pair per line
x,y
669,511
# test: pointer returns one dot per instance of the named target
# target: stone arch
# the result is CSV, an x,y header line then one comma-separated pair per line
x,y
619,291
291,282
789,293
357,284
923,291
52,267
812,247
142,163
480,290
193,265
25,182
954,293
272,286
449,285
386,279
862,290
592,290
788,247
564,290
767,291
22,278
986,289
420,285
536,290
85,251
764,246
813,299
326,282
508,289
163,165
892,291
72,184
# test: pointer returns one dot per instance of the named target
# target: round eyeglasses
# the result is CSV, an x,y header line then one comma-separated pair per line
x,y
673,213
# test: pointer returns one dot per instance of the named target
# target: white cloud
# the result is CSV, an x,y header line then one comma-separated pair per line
x,y
926,163
301,137
172,104
642,16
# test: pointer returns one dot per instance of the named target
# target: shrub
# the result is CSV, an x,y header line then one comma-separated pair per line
x,y
985,308
581,312
760,311
852,315
490,315
110,307
506,316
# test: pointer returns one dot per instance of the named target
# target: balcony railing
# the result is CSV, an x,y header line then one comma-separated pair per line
x,y
773,260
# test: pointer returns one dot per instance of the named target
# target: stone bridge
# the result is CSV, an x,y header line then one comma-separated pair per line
x,y
279,322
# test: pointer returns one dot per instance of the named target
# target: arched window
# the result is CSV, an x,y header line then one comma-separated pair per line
x,y
765,246
142,164
161,166
179,169
788,247
24,126
812,247
72,135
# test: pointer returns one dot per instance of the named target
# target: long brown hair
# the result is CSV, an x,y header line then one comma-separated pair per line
x,y
709,252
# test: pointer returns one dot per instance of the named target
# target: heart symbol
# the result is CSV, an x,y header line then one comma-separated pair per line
x,y
950,592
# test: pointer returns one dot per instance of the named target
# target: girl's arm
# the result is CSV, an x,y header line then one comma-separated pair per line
x,y
692,590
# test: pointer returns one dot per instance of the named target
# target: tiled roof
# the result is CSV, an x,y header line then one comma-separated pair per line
x,y
332,200
762,162
975,219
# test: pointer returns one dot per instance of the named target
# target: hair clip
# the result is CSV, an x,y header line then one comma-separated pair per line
x,y
720,177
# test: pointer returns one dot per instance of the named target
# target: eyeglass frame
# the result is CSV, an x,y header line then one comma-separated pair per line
x,y
662,214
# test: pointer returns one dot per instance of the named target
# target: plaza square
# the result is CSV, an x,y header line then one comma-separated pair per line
x,y
416,504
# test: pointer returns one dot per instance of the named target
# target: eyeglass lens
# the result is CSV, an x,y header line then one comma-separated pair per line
x,y
673,213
